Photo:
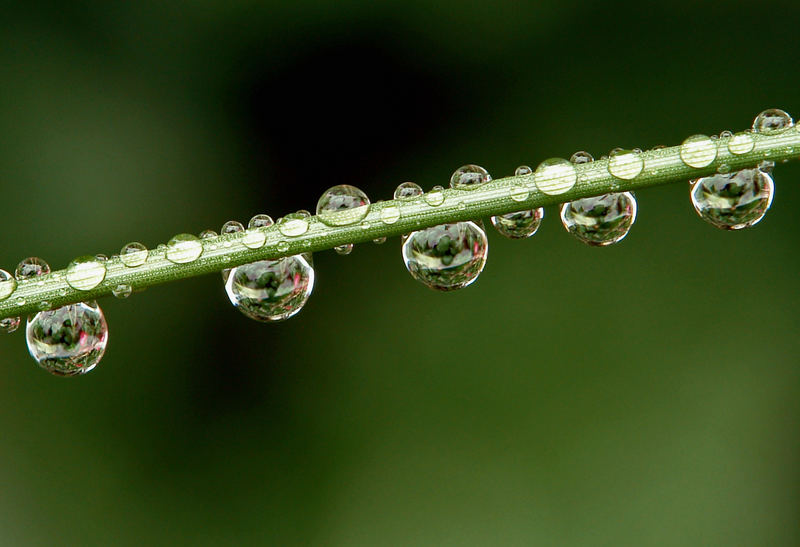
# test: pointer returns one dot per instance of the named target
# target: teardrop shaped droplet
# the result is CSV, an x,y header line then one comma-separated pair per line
x,y
184,248
9,324
732,201
435,197
345,249
600,220
7,284
625,164
69,340
133,254
231,227
407,190
123,290
469,177
698,151
448,256
342,205
555,176
271,290
85,273
520,224
31,267
772,120
293,225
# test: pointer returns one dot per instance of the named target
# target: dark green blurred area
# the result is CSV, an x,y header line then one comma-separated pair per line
x,y
642,394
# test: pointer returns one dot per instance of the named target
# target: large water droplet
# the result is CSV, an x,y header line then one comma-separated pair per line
x,y
31,267
519,224
9,324
625,164
446,257
469,177
184,248
342,205
435,197
133,254
271,290
231,227
260,221
698,151
600,220
293,225
735,200
7,284
68,341
555,176
407,190
772,120
85,273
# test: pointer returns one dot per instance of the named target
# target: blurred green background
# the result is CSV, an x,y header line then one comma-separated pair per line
x,y
642,394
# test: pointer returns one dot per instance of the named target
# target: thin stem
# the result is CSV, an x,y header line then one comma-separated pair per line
x,y
392,218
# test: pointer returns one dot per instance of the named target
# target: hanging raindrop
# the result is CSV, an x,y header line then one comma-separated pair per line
x,y
732,201
9,324
600,220
520,224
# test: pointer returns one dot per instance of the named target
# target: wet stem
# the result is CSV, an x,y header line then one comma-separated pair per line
x,y
551,184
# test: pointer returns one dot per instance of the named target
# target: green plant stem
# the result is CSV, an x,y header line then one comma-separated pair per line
x,y
661,166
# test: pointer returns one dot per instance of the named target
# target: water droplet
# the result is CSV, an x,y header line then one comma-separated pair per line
x,y
726,134
523,170
231,227
698,151
625,164
208,234
735,200
85,273
123,290
469,177
600,220
31,267
390,214
772,120
283,246
302,213
461,206
555,176
407,190
518,193
365,225
293,225
260,221
379,240
723,168
184,248
519,224
133,254
9,324
435,197
20,301
271,290
44,305
741,143
446,257
7,284
342,205
101,257
254,238
345,249
581,156
69,340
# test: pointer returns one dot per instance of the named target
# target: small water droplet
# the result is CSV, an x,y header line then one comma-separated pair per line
x,y
555,176
293,225
345,249
772,120
133,254
600,220
390,214
271,290
407,190
123,290
741,143
208,234
446,257
9,324
522,171
580,157
254,238
44,305
625,164
31,267
379,240
342,205
435,197
735,200
260,221
302,213
85,273
723,168
61,292
283,246
520,224
518,193
69,340
231,227
726,134
698,151
183,249
101,257
365,225
469,177
20,301
7,284
461,206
